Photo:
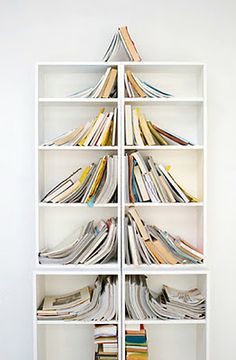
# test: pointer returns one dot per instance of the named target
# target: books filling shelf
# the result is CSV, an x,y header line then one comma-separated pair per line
x,y
87,304
145,244
123,37
135,87
91,245
147,181
106,342
105,88
143,303
100,131
136,345
96,184
139,131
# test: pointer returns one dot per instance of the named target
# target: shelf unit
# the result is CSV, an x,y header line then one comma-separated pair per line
x,y
185,114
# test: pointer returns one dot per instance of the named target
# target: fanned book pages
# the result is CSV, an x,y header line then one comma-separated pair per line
x,y
136,343
96,184
106,87
94,244
100,131
123,37
140,131
87,304
135,87
143,303
106,342
147,244
146,181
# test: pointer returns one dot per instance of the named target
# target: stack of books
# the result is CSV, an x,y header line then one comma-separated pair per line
x,y
136,347
123,37
96,184
143,303
145,244
149,182
139,131
105,338
90,245
135,87
100,131
106,87
87,304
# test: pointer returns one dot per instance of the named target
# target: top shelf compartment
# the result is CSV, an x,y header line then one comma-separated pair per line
x,y
180,80
59,81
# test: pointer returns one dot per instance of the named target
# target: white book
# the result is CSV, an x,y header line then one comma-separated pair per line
x,y
94,129
129,139
141,184
173,183
127,86
137,134
132,246
106,127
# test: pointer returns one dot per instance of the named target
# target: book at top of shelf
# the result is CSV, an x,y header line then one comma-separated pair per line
x,y
100,131
88,245
140,131
147,181
148,244
97,184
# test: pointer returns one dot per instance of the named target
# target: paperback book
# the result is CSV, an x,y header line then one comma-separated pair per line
x,y
96,184
100,131
92,244
106,342
147,244
86,304
147,181
169,304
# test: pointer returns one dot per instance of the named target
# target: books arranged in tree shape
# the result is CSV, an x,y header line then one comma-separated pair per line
x,y
146,244
123,37
106,87
97,184
91,245
86,304
147,181
139,131
106,342
135,87
143,303
136,345
100,131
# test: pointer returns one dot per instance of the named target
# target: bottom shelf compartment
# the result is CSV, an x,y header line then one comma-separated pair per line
x,y
175,342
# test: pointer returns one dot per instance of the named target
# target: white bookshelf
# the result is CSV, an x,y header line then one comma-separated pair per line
x,y
185,114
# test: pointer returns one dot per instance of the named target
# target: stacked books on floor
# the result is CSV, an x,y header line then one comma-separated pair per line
x,y
139,131
135,87
106,87
136,347
143,303
87,304
100,131
123,37
91,245
96,184
106,341
145,244
150,182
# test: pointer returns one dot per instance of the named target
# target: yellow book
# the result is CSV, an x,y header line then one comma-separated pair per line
x,y
84,174
106,136
109,141
81,143
97,180
146,131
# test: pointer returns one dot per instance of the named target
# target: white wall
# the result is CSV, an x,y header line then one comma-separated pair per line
x,y
56,30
